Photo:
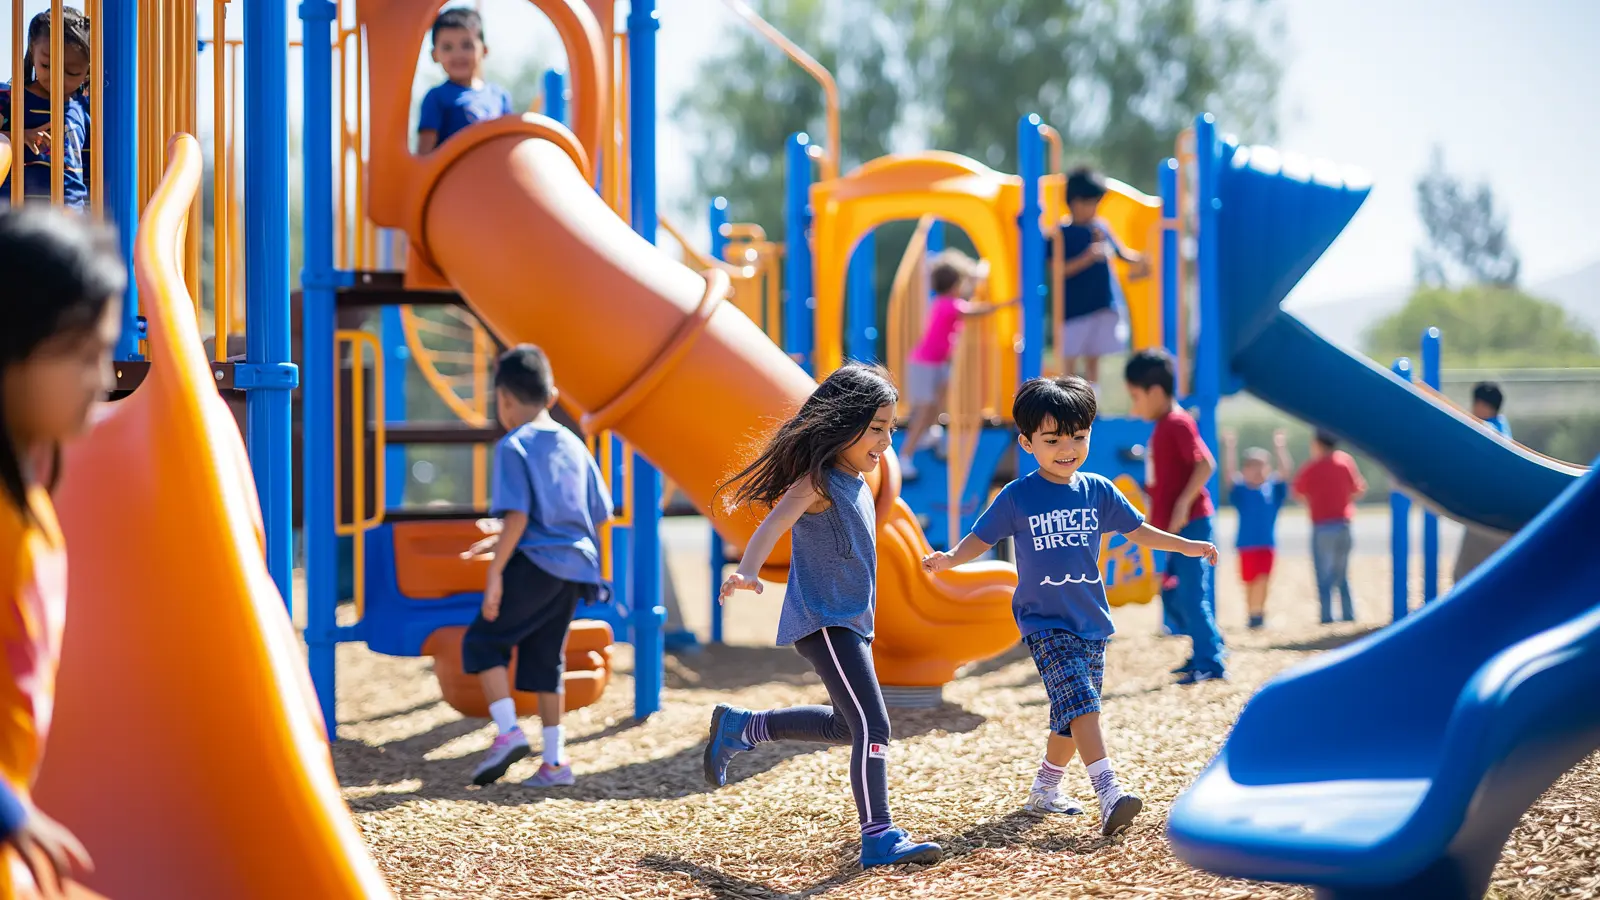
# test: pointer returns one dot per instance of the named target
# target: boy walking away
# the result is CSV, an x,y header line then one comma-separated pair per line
x,y
464,97
1257,493
1329,484
1092,326
1055,517
1177,466
552,499
1477,546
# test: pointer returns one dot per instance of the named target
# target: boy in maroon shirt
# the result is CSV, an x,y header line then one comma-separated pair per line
x,y
1177,466
1329,484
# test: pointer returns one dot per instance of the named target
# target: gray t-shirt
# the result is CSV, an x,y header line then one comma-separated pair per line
x,y
544,470
834,564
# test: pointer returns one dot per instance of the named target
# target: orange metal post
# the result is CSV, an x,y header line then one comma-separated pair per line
x,y
221,163
19,153
97,95
58,165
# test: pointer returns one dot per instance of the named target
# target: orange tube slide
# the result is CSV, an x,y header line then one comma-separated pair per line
x,y
187,750
647,345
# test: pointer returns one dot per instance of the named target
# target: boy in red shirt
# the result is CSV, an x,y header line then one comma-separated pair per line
x,y
1329,484
1177,466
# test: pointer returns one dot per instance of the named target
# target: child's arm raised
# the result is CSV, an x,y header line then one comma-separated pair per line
x,y
1148,535
788,511
1280,443
970,548
1230,456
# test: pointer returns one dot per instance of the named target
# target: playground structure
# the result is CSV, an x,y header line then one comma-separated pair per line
x,y
1504,701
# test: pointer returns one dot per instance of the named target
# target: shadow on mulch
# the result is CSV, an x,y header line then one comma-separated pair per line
x,y
1009,830
1329,642
670,777
728,668
1016,653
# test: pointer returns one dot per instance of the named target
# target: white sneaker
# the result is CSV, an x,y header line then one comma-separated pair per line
x,y
1116,816
506,750
1047,802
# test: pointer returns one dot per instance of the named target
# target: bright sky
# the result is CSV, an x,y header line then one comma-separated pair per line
x,y
1512,92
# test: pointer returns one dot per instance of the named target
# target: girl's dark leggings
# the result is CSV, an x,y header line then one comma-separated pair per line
x,y
857,717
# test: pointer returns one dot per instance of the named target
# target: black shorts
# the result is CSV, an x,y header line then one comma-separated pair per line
x,y
535,610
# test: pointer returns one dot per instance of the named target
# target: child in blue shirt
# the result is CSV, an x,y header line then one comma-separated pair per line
x,y
1257,493
552,500
465,97
1056,517
1091,325
34,157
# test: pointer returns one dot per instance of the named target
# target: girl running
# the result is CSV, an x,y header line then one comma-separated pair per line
x,y
63,314
810,476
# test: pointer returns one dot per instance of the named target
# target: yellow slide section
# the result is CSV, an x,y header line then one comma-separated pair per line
x,y
187,750
651,350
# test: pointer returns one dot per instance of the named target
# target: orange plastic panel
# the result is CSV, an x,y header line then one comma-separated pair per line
x,y
515,209
588,670
178,649
428,563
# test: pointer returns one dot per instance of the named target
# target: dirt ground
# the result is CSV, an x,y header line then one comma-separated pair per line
x,y
642,823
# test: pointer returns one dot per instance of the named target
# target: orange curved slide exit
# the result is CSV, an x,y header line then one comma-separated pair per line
x,y
187,750
519,231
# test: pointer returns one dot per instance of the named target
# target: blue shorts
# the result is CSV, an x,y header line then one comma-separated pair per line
x,y
1072,668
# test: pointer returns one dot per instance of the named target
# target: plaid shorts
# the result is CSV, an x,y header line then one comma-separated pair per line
x,y
1072,668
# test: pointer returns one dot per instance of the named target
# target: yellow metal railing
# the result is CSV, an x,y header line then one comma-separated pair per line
x,y
974,377
354,522
908,306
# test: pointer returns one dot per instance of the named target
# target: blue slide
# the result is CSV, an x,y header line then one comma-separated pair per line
x,y
1397,766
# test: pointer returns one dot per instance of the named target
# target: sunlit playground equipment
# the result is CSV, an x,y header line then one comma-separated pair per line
x,y
665,368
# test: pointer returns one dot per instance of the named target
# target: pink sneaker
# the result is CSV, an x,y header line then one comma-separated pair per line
x,y
506,749
550,776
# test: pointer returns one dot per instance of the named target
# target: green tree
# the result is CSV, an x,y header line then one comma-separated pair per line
x,y
1119,80
1467,238
753,97
1486,326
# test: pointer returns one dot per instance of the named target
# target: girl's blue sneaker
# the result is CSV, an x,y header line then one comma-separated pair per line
x,y
893,846
727,738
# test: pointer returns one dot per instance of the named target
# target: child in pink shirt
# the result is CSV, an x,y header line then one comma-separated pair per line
x,y
928,363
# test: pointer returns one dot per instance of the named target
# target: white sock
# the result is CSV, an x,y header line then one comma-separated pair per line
x,y
504,713
555,745
1049,777
1104,781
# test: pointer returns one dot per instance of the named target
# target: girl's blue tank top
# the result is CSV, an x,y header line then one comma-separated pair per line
x,y
833,567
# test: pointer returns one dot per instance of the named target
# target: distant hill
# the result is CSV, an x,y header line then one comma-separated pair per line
x,y
1343,321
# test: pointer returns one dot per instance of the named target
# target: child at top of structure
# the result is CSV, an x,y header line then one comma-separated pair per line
x,y
35,160
1177,466
1091,325
1056,517
810,478
552,500
1329,483
63,316
953,279
1487,398
464,97
1257,493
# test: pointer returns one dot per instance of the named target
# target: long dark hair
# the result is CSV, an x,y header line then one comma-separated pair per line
x,y
74,33
61,271
837,413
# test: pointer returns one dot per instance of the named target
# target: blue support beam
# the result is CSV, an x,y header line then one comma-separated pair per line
x,y
799,303
318,282
1400,529
555,96
861,303
719,247
650,616
1209,364
1035,292
121,166
1167,180
1430,521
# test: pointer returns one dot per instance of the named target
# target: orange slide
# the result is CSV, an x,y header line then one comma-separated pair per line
x,y
187,750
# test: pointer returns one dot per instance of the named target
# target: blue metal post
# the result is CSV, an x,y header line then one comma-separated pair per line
x,y
649,616
1207,382
270,377
719,249
1030,164
397,362
1167,180
1400,527
936,237
121,35
1430,522
317,326
799,305
555,95
861,317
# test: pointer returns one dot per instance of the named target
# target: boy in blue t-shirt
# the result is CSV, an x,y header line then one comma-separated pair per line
x,y
1055,517
1257,493
552,500
465,98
